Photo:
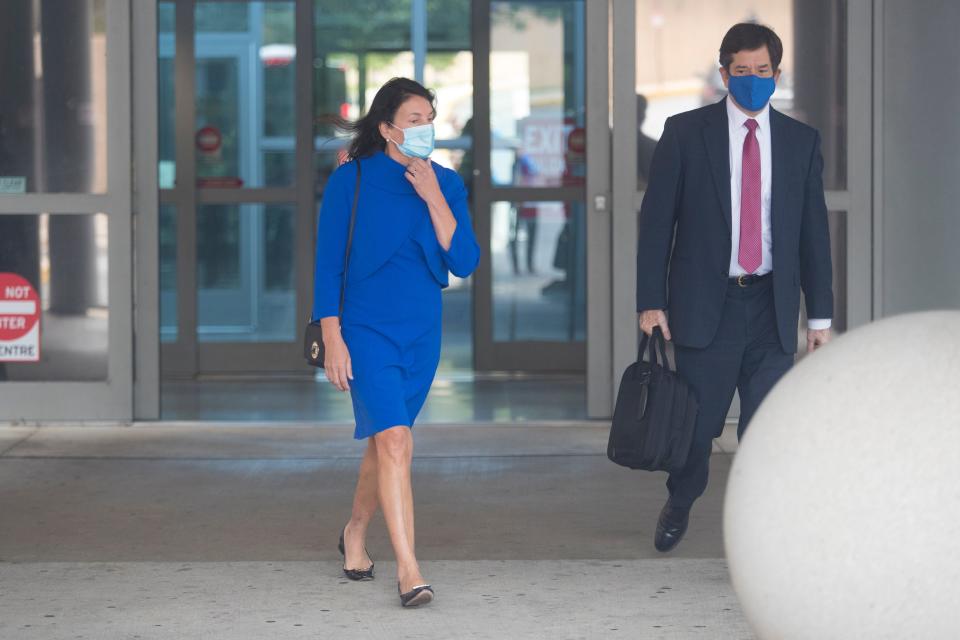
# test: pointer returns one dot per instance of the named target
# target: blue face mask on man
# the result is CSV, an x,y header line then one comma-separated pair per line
x,y
752,92
417,141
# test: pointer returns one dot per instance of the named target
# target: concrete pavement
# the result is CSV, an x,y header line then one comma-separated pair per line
x,y
213,530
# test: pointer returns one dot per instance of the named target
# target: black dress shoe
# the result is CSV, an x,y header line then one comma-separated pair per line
x,y
417,596
670,527
355,574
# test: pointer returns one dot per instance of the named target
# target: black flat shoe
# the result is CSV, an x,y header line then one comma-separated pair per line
x,y
355,574
671,527
417,596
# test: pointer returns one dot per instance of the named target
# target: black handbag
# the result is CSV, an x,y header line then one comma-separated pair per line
x,y
313,349
656,410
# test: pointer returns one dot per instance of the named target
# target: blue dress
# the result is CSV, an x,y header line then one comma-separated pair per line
x,y
392,305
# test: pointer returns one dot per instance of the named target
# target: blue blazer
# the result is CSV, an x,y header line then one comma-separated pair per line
x,y
683,252
389,211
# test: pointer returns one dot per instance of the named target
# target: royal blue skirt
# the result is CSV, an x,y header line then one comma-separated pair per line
x,y
391,326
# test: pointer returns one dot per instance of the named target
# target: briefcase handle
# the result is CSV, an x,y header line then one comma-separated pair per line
x,y
652,346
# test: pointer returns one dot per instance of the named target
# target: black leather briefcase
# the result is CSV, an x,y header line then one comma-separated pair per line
x,y
655,414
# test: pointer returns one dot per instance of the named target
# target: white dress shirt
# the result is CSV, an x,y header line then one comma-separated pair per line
x,y
736,121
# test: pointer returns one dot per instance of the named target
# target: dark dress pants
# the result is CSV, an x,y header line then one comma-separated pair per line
x,y
745,355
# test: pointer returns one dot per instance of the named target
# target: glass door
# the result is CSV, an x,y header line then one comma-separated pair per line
x,y
247,144
529,200
249,95
66,218
232,270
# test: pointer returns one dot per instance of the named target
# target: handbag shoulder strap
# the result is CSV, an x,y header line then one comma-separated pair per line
x,y
346,253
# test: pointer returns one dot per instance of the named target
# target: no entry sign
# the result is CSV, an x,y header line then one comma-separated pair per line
x,y
208,139
19,320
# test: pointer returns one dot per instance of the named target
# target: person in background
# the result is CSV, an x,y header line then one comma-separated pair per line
x,y
645,145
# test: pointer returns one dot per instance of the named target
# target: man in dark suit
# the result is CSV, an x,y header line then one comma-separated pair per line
x,y
732,225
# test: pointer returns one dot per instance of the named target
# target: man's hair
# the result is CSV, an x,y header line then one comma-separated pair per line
x,y
748,36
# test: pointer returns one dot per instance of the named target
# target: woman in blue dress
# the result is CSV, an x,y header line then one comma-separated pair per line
x,y
412,228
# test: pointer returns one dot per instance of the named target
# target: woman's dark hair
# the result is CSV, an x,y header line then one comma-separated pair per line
x,y
366,131
748,36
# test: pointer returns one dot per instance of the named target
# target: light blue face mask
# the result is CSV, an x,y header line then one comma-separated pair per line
x,y
417,141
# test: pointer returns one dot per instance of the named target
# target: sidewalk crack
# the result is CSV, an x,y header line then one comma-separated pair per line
x,y
4,452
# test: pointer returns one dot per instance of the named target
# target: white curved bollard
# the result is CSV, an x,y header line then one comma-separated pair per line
x,y
842,514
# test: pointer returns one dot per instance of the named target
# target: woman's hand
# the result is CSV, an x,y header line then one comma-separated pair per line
x,y
421,175
336,357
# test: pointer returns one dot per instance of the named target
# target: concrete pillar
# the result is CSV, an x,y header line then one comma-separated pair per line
x,y
17,114
19,246
69,152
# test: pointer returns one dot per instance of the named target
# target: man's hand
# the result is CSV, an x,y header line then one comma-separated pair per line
x,y
816,338
654,318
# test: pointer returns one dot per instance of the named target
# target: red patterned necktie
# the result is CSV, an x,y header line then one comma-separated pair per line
x,y
751,249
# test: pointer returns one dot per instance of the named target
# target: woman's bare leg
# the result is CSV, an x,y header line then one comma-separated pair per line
x,y
365,502
394,457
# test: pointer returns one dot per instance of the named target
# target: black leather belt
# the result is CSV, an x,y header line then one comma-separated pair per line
x,y
749,280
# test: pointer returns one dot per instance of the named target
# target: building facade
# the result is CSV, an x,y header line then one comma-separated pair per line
x,y
161,163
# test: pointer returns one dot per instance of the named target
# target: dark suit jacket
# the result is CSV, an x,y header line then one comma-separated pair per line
x,y
685,226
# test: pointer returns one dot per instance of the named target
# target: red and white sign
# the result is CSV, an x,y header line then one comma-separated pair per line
x,y
541,151
208,139
19,320
549,149
577,140
277,55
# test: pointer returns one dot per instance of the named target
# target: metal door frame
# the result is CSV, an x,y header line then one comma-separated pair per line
x,y
187,356
542,356
111,399
599,208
